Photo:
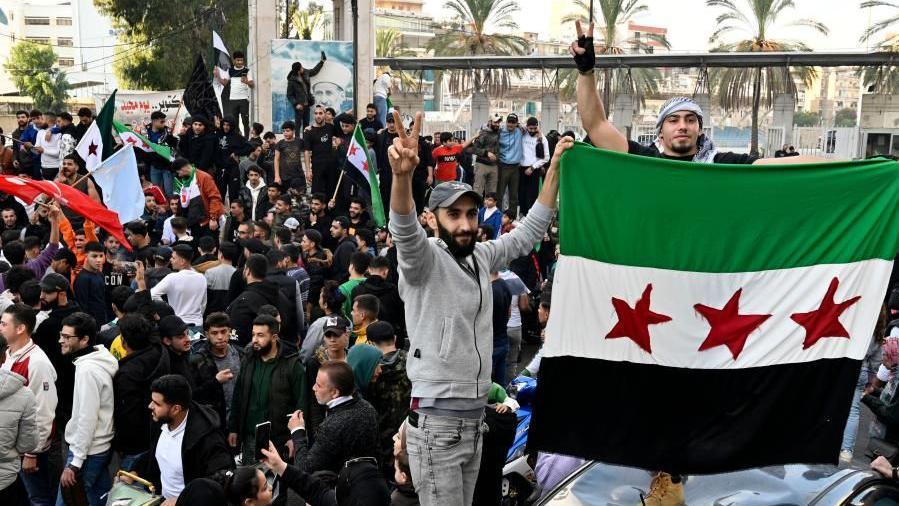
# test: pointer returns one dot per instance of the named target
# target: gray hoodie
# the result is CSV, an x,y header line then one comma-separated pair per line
x,y
90,430
449,313
18,430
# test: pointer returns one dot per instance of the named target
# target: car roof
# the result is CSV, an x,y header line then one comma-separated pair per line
x,y
799,484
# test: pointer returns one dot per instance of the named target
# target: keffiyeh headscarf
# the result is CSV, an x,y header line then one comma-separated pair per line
x,y
707,150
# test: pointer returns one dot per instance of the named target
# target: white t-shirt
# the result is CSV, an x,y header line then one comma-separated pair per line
x,y
239,90
168,456
382,85
518,288
186,291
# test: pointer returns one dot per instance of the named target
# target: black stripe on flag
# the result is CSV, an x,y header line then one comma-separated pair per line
x,y
693,421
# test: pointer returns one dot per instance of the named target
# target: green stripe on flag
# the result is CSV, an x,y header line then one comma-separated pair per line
x,y
650,212
377,206
159,149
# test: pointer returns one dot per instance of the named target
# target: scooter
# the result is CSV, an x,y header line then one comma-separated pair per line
x,y
519,479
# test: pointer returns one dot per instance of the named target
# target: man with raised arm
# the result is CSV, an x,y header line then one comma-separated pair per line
x,y
451,336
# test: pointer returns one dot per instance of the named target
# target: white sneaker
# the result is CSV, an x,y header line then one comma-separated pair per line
x,y
845,457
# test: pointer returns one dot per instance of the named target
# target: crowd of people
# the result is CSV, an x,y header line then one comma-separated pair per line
x,y
256,289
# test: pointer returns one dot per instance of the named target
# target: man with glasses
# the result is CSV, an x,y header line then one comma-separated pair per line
x,y
89,433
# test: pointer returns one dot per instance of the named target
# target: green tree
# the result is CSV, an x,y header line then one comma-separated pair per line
x,y
806,119
611,17
307,21
30,66
845,117
753,87
473,34
159,38
882,78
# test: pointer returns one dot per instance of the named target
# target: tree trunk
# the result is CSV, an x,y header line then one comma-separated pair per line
x,y
756,100
607,91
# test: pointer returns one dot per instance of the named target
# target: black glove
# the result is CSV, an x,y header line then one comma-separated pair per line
x,y
585,62
324,56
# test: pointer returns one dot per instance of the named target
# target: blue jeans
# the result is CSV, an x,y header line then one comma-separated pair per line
x,y
851,430
445,457
381,106
163,179
37,484
95,476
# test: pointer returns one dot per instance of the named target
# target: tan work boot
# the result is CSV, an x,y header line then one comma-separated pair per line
x,y
662,492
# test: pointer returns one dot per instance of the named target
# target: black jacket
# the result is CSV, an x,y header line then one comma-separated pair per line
x,y
392,309
286,393
204,450
131,391
262,202
345,249
47,337
230,143
299,86
349,431
359,483
289,287
246,306
199,150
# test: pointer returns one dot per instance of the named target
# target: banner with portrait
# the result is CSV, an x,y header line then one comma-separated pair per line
x,y
332,86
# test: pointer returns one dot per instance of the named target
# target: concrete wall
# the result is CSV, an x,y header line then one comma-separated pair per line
x,y
879,111
549,112
480,111
365,51
263,27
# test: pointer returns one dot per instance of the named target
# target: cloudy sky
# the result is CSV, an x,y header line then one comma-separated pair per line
x,y
690,22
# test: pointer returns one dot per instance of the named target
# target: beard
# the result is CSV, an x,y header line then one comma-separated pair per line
x,y
49,306
263,350
682,148
459,251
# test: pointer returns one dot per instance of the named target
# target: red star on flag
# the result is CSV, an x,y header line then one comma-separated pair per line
x,y
353,149
729,327
634,323
132,140
824,321
365,165
92,149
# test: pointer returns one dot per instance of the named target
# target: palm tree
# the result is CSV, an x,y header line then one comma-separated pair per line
x,y
388,44
881,78
472,34
307,21
611,17
754,87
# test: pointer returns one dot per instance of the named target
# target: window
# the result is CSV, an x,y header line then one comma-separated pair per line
x,y
38,40
64,41
67,62
64,21
36,21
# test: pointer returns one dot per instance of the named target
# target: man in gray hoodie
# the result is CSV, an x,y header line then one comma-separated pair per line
x,y
445,282
89,432
18,431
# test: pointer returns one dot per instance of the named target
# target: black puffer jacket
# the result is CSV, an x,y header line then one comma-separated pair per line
x,y
131,391
246,306
204,450
199,150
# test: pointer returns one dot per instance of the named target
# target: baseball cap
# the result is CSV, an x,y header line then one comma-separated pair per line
x,y
512,118
164,253
444,194
380,331
53,282
171,325
336,325
496,118
292,223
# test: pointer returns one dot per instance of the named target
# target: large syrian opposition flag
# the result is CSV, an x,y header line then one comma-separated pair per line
x,y
707,318
137,140
97,143
364,172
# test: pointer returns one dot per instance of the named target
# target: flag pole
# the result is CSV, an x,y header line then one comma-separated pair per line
x,y
591,11
337,188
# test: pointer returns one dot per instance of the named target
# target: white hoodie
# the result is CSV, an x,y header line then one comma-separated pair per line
x,y
90,430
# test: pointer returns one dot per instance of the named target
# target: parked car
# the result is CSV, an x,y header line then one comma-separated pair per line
x,y
796,484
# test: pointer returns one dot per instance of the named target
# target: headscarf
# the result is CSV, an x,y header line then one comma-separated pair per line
x,y
707,151
363,358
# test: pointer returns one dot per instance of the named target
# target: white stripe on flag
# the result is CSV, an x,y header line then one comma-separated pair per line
x,y
582,304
